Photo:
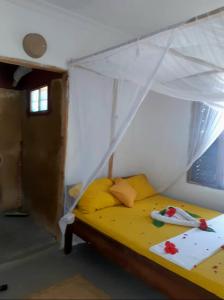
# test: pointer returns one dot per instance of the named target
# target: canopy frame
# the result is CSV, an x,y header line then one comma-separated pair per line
x,y
75,62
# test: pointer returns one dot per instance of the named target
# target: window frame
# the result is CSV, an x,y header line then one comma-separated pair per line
x,y
39,112
200,184
189,179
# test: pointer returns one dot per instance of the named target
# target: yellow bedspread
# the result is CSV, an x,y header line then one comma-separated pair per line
x,y
133,227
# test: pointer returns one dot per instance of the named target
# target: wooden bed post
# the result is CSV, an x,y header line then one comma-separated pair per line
x,y
68,239
110,169
113,120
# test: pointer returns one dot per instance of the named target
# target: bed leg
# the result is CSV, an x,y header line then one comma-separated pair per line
x,y
68,239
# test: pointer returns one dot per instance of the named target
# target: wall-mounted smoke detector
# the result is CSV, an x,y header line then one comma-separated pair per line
x,y
34,45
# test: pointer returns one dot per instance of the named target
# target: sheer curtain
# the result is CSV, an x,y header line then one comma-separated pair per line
x,y
92,123
210,167
220,162
193,69
207,124
186,63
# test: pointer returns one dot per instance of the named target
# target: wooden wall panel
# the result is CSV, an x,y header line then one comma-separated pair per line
x,y
11,108
42,148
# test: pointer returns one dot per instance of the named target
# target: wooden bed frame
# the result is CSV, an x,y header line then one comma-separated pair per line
x,y
171,284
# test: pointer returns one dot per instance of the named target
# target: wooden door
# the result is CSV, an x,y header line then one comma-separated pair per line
x,y
11,108
43,158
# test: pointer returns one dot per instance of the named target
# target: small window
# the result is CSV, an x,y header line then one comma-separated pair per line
x,y
208,170
205,171
39,100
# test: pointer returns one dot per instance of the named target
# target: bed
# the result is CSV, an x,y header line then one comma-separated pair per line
x,y
125,235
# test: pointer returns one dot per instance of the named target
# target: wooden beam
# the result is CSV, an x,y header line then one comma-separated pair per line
x,y
195,75
30,64
113,125
220,10
110,168
196,60
64,128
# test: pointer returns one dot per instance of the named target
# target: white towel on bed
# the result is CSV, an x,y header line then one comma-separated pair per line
x,y
194,245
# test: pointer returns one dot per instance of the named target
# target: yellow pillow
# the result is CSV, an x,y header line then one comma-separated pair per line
x,y
97,196
142,186
124,192
100,184
96,201
75,190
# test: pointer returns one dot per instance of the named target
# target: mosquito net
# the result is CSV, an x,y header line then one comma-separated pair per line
x,y
107,90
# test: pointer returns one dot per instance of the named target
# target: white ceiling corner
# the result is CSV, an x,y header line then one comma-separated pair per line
x,y
137,17
51,9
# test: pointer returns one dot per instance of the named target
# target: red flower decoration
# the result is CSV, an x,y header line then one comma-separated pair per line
x,y
170,248
203,225
171,211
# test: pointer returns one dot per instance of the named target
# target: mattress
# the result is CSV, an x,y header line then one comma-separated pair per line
x,y
134,228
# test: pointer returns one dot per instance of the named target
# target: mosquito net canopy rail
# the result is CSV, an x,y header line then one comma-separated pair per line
x,y
107,90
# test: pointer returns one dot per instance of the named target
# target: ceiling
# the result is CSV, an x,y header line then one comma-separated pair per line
x,y
137,17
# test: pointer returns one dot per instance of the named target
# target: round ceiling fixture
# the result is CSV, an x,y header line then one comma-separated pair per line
x,y
34,45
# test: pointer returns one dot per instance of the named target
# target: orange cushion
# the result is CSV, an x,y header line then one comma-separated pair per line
x,y
124,192
142,186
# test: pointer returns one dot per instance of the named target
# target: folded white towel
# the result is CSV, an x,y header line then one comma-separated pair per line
x,y
180,217
195,245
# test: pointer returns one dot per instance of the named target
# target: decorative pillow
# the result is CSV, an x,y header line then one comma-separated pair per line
x,y
141,185
100,184
96,201
75,190
124,192
97,196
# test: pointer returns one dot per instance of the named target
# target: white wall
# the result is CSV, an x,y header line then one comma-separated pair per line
x,y
200,195
68,35
157,141
156,144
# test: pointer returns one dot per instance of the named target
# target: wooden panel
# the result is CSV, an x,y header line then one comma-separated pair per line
x,y
64,127
30,64
110,166
173,285
42,158
11,108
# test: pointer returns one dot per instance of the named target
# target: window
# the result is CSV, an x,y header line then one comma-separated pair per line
x,y
208,170
39,100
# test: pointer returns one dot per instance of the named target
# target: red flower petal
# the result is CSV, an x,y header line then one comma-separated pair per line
x,y
170,248
171,211
203,225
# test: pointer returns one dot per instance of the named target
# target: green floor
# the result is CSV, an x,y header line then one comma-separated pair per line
x,y
51,266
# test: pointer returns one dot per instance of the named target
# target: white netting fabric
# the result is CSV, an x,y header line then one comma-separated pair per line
x,y
106,91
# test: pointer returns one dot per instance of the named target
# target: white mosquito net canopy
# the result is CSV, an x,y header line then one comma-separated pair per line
x,y
106,91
